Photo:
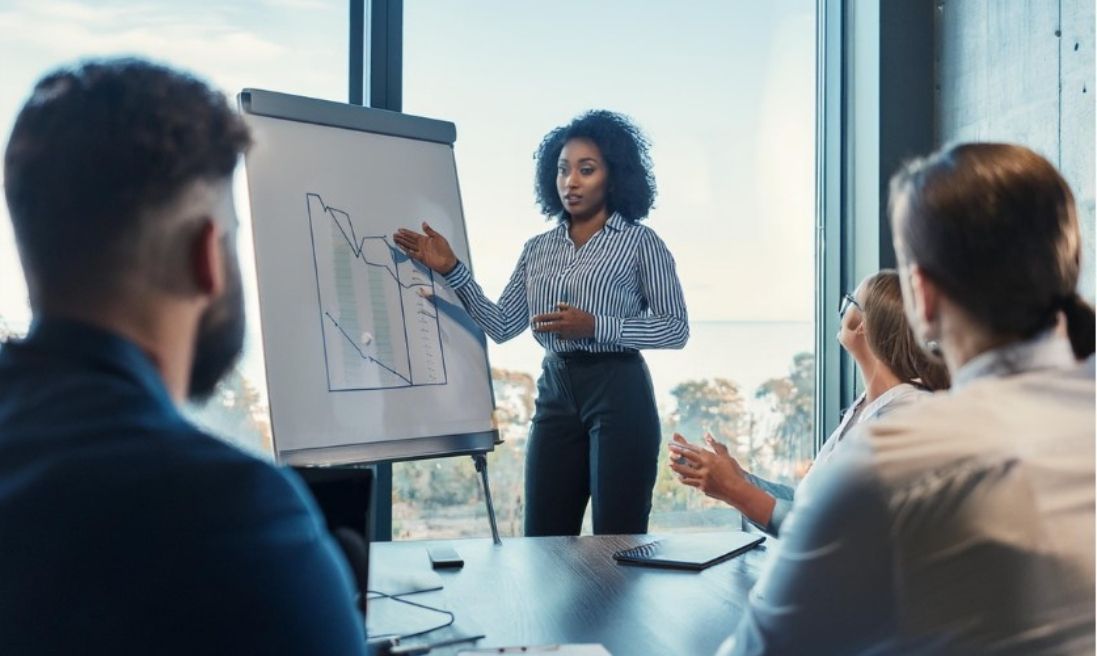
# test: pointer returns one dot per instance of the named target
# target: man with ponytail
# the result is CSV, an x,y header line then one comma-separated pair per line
x,y
963,524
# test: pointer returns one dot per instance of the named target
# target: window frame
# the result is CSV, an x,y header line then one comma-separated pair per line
x,y
376,80
376,66
870,119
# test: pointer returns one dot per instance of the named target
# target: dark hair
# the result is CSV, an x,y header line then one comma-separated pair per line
x,y
994,225
890,336
95,148
630,190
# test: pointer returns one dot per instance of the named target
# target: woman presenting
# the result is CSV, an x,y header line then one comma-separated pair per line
x,y
598,287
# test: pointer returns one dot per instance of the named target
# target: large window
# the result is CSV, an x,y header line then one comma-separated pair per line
x,y
726,93
298,46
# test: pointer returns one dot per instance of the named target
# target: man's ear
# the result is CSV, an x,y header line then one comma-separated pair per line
x,y
207,260
927,296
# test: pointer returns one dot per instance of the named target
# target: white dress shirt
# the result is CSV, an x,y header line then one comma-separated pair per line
x,y
897,397
963,524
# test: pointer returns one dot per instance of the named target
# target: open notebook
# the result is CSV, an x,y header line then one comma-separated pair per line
x,y
694,551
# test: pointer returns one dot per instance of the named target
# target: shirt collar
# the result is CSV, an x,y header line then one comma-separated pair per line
x,y
615,222
851,412
887,398
1048,350
100,349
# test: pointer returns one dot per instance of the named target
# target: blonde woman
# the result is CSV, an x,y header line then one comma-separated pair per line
x,y
895,373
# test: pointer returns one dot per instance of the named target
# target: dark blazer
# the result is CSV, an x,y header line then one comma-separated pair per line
x,y
125,529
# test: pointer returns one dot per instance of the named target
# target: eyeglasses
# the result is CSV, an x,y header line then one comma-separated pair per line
x,y
847,301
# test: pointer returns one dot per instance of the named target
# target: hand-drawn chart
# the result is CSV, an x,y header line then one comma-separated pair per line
x,y
380,327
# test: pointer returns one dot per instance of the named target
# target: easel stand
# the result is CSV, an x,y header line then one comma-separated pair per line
x,y
380,500
481,462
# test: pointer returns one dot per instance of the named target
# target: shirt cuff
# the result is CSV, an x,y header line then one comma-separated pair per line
x,y
782,497
607,330
459,276
780,510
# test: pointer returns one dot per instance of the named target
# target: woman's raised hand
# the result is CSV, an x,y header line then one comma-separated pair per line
x,y
429,248
713,471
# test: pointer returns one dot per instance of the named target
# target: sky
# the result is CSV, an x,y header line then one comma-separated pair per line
x,y
299,46
724,89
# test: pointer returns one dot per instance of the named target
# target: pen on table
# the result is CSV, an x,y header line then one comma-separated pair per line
x,y
417,650
537,649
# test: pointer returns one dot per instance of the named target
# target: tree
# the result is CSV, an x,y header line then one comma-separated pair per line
x,y
514,392
715,406
514,405
792,400
442,497
701,406
236,413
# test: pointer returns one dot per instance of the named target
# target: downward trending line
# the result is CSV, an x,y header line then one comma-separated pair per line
x,y
358,246
364,356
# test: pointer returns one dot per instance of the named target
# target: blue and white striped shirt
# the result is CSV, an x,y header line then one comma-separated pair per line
x,y
624,276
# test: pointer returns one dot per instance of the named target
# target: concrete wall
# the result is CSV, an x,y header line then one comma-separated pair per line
x,y
1023,71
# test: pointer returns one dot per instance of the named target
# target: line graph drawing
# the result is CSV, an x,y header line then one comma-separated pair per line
x,y
379,326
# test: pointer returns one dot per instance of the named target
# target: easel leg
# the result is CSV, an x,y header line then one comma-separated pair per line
x,y
481,463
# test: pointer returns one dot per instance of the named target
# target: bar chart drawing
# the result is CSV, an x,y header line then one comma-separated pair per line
x,y
379,325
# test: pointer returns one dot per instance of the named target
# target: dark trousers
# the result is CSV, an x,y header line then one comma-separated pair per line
x,y
595,436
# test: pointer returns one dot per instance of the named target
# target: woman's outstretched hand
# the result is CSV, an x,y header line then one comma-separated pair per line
x,y
430,248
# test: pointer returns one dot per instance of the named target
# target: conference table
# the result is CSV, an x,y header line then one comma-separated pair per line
x,y
557,590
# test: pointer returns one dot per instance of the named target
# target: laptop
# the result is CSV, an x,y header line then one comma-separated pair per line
x,y
344,495
692,551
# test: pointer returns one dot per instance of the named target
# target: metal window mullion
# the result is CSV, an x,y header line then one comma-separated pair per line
x,y
832,261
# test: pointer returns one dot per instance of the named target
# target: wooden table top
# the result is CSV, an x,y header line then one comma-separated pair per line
x,y
534,591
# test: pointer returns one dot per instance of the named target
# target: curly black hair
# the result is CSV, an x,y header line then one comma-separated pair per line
x,y
630,190
95,147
